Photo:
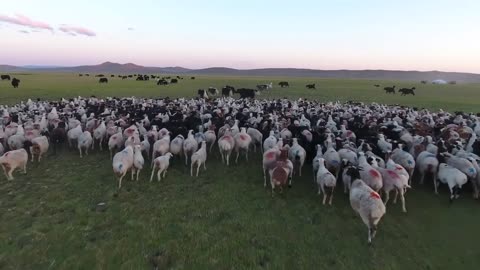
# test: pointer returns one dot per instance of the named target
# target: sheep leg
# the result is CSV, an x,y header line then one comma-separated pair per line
x,y
475,189
246,154
204,166
324,194
93,145
387,197
5,171
191,169
435,183
151,176
264,176
133,172
198,168
227,158
331,196
164,173
186,159
369,235
290,178
80,149
238,154
10,171
300,170
120,181
25,168
255,147
31,151
159,175
138,172
422,176
402,199
396,194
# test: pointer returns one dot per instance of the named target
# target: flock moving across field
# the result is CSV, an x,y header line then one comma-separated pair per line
x,y
370,149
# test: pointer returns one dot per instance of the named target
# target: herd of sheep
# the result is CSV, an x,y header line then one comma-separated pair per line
x,y
370,149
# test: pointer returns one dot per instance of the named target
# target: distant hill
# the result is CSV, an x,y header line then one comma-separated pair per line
x,y
129,68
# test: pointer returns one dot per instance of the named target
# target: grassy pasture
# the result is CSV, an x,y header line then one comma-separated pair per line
x,y
224,219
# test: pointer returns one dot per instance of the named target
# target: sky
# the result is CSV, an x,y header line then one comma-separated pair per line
x,y
341,34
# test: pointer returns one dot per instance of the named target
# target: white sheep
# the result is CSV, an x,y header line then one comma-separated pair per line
x,y
39,147
161,163
176,145
12,160
199,158
325,179
210,137
427,163
270,141
190,146
394,181
161,147
242,142
332,160
269,159
315,164
476,180
115,142
16,141
85,141
226,144
370,175
297,155
99,135
367,203
404,159
257,138
138,160
122,163
453,177
73,134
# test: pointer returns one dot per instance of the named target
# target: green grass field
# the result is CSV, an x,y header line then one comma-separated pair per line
x,y
225,219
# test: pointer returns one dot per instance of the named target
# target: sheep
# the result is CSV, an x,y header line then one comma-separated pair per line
x,y
16,141
145,146
210,137
85,141
2,149
332,160
404,159
39,147
280,171
349,155
99,134
476,180
297,155
138,160
315,164
270,141
394,181
115,142
453,177
347,180
226,143
122,163
242,142
73,134
161,147
384,146
370,175
176,145
199,158
269,159
367,203
161,163
257,138
427,163
463,164
190,146
14,159
325,179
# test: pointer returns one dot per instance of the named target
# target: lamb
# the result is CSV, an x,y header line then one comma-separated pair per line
x,y
269,159
115,142
138,160
270,142
297,155
257,138
39,147
242,142
453,177
225,145
12,160
161,147
190,146
73,134
176,145
161,163
99,134
325,179
427,163
370,175
85,141
199,158
122,163
367,203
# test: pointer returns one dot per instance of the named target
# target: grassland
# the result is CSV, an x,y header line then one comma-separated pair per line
x,y
224,219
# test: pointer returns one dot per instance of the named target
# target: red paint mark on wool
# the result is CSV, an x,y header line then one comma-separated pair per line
x,y
374,173
392,174
399,168
270,155
243,137
349,133
375,195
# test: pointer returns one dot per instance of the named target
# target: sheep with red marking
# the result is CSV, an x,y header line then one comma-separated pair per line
x,y
370,175
161,163
366,202
280,171
226,144
269,159
115,142
210,137
12,160
242,142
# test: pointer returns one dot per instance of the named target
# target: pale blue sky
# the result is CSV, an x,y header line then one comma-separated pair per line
x,y
344,34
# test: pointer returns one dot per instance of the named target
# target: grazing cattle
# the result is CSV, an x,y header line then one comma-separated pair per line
x,y
424,82
246,93
192,78
173,81
262,87
140,78
227,91
80,75
5,77
87,74
124,77
146,77
130,76
284,84
389,89
103,80
99,75
376,85
15,82
407,91
111,76
310,86
162,82
213,91
202,93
